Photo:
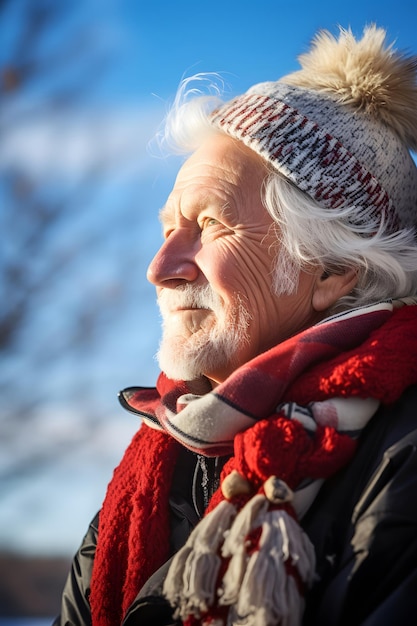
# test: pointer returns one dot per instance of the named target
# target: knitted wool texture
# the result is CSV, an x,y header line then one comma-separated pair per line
x,y
137,499
134,521
343,149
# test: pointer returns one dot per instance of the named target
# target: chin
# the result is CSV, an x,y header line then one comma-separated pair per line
x,y
190,360
209,351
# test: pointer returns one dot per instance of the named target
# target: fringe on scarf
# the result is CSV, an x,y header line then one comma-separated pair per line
x,y
252,564
265,562
331,371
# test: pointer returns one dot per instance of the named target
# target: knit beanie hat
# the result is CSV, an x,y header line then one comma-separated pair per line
x,y
341,128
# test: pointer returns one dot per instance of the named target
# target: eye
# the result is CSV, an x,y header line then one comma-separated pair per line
x,y
209,221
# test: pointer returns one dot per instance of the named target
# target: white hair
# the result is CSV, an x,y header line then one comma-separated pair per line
x,y
307,233
336,239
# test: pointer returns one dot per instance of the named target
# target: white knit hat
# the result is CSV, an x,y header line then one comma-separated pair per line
x,y
341,128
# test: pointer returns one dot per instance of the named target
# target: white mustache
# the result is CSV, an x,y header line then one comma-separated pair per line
x,y
189,297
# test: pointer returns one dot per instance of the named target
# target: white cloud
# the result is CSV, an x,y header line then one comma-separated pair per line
x,y
65,490
68,145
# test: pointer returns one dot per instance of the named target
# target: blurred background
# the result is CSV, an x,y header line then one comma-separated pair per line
x,y
84,85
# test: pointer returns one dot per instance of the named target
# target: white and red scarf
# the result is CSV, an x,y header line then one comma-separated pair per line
x,y
290,418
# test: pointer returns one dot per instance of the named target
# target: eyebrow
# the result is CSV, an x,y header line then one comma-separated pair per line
x,y
164,214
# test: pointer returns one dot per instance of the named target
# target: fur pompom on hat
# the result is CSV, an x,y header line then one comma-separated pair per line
x,y
341,128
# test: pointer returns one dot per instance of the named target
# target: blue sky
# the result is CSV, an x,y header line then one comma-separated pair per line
x,y
151,46
249,41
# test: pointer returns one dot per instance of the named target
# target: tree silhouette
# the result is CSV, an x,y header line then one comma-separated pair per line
x,y
50,61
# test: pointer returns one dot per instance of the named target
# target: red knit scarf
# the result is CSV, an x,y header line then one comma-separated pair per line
x,y
370,356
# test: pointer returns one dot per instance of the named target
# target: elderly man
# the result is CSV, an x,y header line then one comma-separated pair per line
x,y
273,478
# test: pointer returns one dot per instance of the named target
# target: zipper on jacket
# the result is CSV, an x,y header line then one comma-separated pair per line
x,y
206,481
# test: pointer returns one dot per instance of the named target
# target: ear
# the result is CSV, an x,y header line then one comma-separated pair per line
x,y
329,288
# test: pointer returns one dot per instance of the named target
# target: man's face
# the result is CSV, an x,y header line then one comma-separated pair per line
x,y
214,271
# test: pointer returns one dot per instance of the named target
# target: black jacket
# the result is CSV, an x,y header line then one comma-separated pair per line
x,y
363,524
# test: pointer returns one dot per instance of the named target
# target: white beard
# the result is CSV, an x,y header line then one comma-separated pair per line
x,y
186,354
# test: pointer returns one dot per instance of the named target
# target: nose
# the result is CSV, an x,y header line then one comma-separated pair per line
x,y
174,263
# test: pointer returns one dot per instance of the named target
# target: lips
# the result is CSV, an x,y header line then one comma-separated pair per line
x,y
188,298
192,308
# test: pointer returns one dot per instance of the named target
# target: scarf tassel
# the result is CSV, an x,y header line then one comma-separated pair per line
x,y
190,584
269,563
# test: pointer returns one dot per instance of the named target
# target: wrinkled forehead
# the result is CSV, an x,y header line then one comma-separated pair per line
x,y
220,170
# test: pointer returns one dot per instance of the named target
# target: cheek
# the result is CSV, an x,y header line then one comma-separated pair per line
x,y
245,267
